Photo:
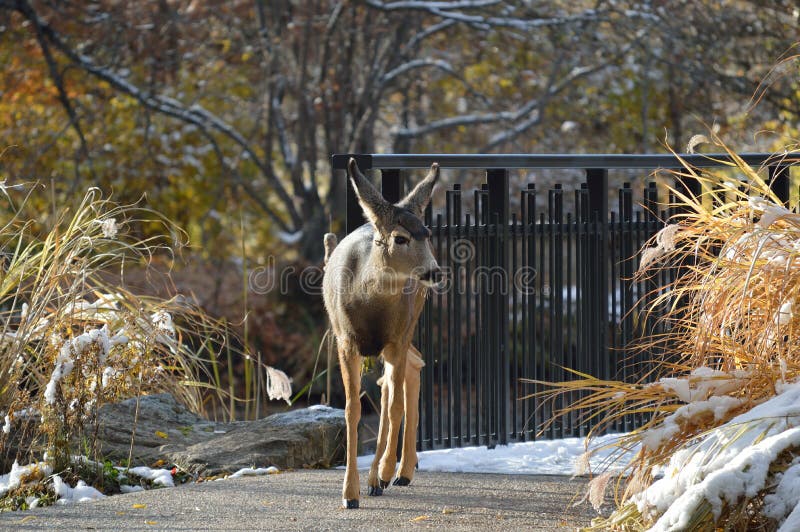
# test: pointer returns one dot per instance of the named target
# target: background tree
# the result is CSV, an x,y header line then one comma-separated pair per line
x,y
225,113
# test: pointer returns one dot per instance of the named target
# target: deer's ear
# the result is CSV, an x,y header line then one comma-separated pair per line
x,y
418,199
376,209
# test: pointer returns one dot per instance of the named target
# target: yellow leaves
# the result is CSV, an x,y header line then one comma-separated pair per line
x,y
225,44
419,518
138,506
162,434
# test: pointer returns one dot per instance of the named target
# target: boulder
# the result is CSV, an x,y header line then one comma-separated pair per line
x,y
164,429
309,437
161,426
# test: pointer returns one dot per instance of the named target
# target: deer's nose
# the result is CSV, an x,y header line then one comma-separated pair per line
x,y
433,276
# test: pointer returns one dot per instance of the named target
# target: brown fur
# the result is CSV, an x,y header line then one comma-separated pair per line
x,y
374,287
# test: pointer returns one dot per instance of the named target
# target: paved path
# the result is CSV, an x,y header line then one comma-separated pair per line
x,y
308,500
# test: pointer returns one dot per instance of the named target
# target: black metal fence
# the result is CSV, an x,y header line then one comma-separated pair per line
x,y
538,281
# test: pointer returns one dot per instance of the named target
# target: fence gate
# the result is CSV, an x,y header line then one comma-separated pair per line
x,y
538,281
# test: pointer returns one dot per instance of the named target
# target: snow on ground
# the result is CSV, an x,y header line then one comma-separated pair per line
x,y
543,457
255,471
80,493
162,477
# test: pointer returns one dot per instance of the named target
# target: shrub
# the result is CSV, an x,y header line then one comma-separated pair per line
x,y
720,449
70,341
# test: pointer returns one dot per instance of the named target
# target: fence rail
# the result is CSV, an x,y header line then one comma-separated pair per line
x,y
534,290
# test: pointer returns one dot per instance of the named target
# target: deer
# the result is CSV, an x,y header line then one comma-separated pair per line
x,y
374,287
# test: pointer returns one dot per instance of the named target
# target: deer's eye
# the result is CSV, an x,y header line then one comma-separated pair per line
x,y
400,240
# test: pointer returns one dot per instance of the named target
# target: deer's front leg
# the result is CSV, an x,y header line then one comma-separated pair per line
x,y
408,462
394,375
350,363
375,484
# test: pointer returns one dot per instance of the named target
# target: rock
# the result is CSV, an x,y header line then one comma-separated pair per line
x,y
162,426
308,437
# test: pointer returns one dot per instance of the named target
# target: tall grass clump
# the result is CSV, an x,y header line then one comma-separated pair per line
x,y
73,339
721,447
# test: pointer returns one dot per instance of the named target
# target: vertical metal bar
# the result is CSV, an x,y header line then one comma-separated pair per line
x,y
480,310
556,353
391,185
497,180
430,356
597,185
450,312
616,287
515,391
485,332
569,352
532,369
580,260
581,271
439,346
456,295
523,366
779,182
468,289
541,349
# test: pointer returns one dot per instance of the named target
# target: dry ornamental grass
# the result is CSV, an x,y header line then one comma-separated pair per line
x,y
720,447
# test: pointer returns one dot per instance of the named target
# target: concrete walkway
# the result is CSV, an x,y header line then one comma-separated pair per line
x,y
309,500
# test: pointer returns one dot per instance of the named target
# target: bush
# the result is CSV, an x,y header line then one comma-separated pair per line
x,y
70,341
720,449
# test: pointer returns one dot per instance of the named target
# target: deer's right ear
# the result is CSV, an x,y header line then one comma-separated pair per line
x,y
376,209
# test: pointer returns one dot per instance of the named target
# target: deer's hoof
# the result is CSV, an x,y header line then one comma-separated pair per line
x,y
402,481
383,483
375,491
350,504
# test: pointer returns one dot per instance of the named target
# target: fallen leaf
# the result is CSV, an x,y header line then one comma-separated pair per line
x,y
151,522
139,506
447,510
420,518
26,519
162,434
120,513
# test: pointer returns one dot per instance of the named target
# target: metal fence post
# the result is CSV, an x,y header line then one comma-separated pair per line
x,y
597,184
391,186
497,180
779,182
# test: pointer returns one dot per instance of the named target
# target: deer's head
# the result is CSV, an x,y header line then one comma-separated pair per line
x,y
401,244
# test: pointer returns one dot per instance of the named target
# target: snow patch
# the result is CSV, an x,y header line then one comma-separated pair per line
x,y
255,471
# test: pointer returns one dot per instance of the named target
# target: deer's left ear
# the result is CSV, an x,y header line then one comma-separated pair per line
x,y
418,199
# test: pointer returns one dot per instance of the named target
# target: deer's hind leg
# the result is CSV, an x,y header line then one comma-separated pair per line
x,y
408,461
374,484
350,363
394,356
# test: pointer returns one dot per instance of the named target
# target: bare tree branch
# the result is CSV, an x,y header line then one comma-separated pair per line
x,y
195,114
446,10
58,80
418,63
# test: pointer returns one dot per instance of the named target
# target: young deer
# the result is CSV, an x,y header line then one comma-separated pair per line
x,y
374,287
